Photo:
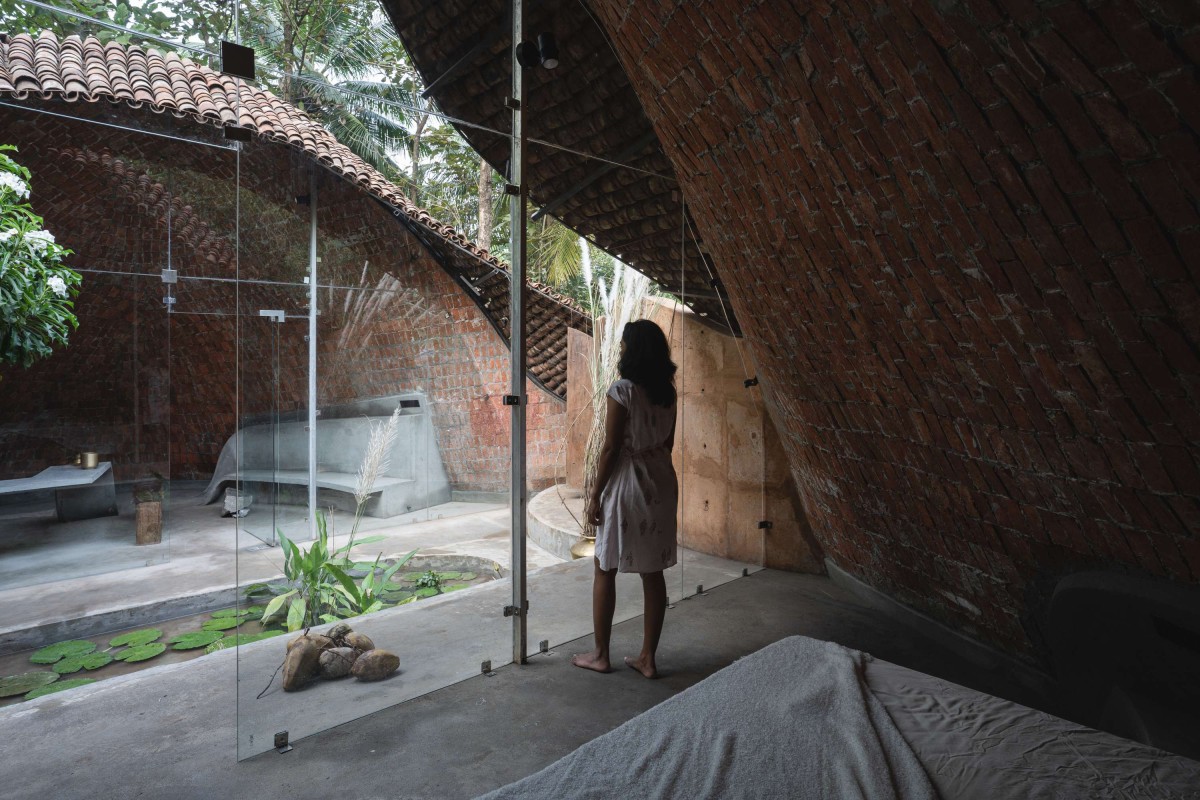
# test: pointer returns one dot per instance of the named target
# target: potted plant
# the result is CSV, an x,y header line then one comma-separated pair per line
x,y
148,498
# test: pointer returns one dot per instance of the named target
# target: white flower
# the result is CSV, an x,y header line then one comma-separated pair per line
x,y
57,285
6,235
15,184
39,239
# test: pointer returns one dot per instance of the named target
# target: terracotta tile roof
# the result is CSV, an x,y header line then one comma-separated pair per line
x,y
587,105
86,70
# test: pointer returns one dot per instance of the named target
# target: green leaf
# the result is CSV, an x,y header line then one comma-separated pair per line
x,y
295,617
276,604
222,623
427,591
90,661
256,588
134,638
467,576
60,686
347,583
449,576
13,685
373,607
141,652
390,571
410,599
456,587
194,639
230,612
60,650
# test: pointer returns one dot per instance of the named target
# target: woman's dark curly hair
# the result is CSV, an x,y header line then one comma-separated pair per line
x,y
647,361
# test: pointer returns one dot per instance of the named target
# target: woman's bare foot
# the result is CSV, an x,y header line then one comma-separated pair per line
x,y
593,661
642,665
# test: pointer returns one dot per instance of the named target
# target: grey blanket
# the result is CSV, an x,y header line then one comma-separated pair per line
x,y
794,720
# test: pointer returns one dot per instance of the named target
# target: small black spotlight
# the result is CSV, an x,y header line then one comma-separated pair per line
x,y
548,49
527,55
545,52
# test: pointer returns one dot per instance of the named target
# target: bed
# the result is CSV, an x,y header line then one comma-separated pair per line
x,y
804,718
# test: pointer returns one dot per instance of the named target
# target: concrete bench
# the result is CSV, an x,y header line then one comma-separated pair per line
x,y
78,493
278,454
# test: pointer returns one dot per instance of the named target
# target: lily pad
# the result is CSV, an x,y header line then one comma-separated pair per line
x,y
222,623
60,650
135,638
60,686
89,662
408,577
407,600
141,652
455,587
230,612
194,639
14,685
449,576
428,591
239,639
467,576
254,611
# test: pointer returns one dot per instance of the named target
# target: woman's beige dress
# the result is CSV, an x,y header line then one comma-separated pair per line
x,y
637,530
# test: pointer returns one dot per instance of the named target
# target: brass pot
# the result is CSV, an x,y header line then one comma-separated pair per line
x,y
89,460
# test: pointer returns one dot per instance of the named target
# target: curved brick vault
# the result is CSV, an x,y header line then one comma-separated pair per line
x,y
963,243
416,306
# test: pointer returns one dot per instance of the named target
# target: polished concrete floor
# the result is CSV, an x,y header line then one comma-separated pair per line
x,y
175,737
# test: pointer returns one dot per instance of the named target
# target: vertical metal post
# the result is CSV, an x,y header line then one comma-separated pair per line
x,y
312,354
516,316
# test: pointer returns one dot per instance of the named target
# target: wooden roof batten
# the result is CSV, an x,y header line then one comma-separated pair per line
x,y
604,173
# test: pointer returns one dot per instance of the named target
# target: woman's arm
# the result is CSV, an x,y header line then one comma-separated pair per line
x,y
614,435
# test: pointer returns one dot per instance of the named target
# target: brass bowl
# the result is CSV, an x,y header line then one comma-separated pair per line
x,y
584,548
89,460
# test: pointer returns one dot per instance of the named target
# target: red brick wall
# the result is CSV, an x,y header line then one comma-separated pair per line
x,y
159,392
962,239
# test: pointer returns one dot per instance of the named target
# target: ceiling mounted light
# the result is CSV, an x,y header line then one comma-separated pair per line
x,y
545,52
527,55
548,49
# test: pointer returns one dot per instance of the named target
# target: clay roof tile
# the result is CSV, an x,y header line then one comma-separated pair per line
x,y
89,71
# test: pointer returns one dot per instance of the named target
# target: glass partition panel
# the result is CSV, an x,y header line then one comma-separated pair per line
x,y
85,423
411,464
723,504
146,383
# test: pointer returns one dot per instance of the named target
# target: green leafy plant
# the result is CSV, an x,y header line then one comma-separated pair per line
x,y
321,587
135,638
194,640
141,652
60,650
89,661
36,290
429,580
59,686
14,685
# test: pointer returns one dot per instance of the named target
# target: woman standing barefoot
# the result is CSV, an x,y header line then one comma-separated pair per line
x,y
635,492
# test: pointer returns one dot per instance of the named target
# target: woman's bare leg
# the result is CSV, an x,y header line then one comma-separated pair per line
x,y
604,605
654,590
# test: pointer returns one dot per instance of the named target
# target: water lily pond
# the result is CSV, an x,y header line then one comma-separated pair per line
x,y
64,665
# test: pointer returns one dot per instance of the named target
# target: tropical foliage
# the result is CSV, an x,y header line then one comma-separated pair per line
x,y
36,289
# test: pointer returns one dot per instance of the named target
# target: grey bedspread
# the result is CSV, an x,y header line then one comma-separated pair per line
x,y
794,720
975,745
